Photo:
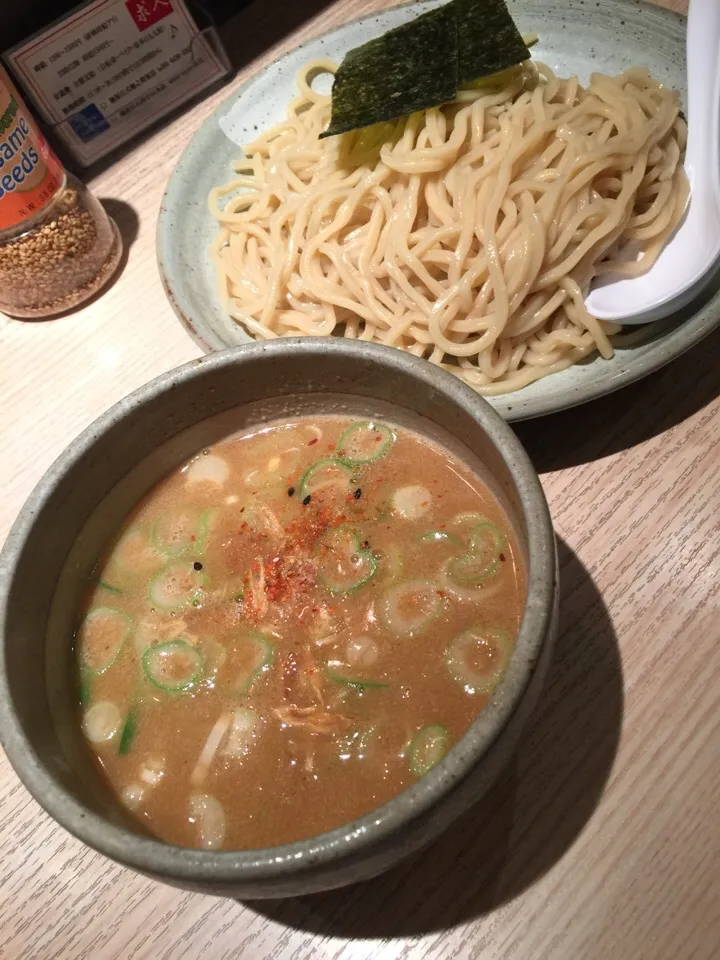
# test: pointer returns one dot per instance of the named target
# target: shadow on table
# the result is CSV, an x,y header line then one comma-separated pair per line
x,y
527,821
628,417
126,218
128,223
257,26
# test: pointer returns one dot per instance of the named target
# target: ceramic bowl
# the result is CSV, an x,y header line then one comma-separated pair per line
x,y
80,503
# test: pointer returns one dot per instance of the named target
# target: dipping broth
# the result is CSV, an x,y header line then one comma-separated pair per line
x,y
294,627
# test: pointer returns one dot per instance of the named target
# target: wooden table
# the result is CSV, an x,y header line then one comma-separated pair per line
x,y
602,840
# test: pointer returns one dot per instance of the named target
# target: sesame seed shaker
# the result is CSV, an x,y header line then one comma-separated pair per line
x,y
58,246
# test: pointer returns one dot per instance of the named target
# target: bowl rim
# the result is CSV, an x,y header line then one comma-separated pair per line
x,y
337,845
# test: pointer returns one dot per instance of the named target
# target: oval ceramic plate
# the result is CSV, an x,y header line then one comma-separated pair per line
x,y
576,37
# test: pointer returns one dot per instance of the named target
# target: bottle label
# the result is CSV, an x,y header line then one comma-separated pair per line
x,y
30,173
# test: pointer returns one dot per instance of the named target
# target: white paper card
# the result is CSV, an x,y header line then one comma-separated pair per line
x,y
110,69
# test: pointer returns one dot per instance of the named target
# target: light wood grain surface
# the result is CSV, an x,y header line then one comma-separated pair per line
x,y
602,839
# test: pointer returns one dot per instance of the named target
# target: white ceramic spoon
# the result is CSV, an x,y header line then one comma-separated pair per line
x,y
685,264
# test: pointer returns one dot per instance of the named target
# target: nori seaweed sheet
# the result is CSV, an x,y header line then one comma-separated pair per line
x,y
411,67
420,64
488,40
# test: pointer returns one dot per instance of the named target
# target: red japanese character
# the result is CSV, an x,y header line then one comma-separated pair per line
x,y
147,12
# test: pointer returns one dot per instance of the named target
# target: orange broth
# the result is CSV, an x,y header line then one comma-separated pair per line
x,y
292,628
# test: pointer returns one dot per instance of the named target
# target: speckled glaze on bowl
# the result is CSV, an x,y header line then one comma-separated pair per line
x,y
77,507
576,36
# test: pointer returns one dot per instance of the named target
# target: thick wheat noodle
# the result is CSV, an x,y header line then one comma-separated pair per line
x,y
468,234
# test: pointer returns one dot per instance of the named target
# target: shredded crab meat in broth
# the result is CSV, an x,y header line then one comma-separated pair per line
x,y
293,627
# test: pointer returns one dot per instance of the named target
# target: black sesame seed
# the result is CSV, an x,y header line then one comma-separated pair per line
x,y
307,500
197,565
358,493
291,491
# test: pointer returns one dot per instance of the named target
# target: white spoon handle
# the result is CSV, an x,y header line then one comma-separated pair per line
x,y
703,66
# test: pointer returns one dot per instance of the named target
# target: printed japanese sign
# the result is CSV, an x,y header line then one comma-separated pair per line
x,y
113,67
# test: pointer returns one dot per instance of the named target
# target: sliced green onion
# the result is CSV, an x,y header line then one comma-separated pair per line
x,y
464,522
214,656
104,585
410,607
481,594
101,637
177,586
180,532
428,747
128,732
365,442
470,570
482,560
487,538
478,657
85,688
134,555
356,683
174,666
257,654
345,564
329,477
